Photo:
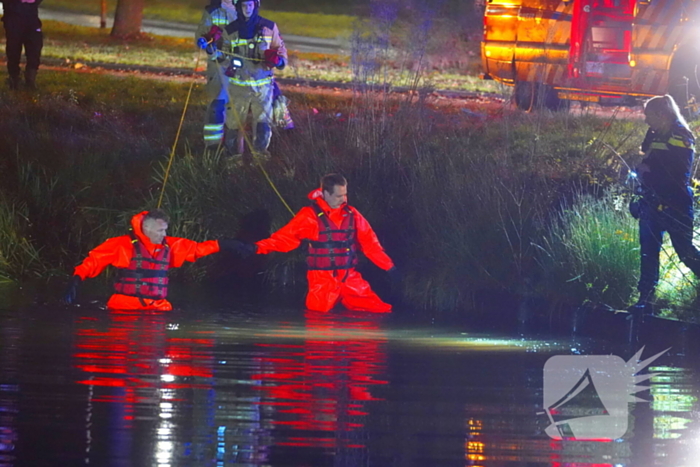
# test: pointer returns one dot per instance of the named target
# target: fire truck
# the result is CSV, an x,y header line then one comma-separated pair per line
x,y
603,51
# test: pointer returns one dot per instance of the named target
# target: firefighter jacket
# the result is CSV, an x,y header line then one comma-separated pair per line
x,y
669,158
307,226
121,252
221,17
253,72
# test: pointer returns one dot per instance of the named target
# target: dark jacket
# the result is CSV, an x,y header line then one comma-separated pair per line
x,y
12,8
669,158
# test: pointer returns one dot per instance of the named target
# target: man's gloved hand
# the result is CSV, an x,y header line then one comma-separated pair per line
x,y
71,292
243,249
273,58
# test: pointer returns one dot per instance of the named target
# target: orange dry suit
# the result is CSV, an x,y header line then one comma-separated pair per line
x,y
336,236
143,266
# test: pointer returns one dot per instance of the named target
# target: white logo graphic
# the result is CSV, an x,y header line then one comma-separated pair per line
x,y
586,396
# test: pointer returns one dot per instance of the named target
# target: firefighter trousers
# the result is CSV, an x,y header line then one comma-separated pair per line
x,y
258,101
326,288
215,119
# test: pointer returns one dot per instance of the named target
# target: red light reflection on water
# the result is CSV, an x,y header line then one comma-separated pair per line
x,y
324,383
135,352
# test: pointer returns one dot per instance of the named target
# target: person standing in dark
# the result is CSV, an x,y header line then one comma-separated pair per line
x,y
22,29
667,200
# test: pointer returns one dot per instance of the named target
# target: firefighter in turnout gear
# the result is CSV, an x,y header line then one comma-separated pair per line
x,y
22,29
254,49
217,15
336,233
667,201
143,258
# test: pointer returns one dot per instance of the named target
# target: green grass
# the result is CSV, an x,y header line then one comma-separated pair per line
x,y
310,24
77,45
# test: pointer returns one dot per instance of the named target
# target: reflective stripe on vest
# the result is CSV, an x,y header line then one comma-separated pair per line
x,y
219,17
250,82
146,276
336,247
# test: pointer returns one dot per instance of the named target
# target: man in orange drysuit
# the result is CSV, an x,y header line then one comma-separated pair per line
x,y
143,258
336,233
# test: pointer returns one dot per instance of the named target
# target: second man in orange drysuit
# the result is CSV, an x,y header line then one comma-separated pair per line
x,y
142,258
336,232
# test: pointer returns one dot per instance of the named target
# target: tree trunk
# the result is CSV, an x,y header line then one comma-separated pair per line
x,y
127,18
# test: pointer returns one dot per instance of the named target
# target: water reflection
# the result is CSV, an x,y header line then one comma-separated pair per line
x,y
138,370
322,388
223,388
9,389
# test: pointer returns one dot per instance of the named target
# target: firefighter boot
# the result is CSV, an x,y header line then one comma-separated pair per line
x,y
233,157
30,78
263,134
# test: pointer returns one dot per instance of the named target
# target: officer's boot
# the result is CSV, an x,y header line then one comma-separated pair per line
x,y
30,78
263,134
644,305
13,82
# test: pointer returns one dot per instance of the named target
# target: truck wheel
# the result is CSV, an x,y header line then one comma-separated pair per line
x,y
526,95
552,101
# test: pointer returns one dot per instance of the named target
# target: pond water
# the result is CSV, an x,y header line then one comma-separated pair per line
x,y
284,387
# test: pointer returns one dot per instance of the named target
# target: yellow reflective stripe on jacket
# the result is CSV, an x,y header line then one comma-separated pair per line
x,y
658,145
678,141
250,82
219,17
238,42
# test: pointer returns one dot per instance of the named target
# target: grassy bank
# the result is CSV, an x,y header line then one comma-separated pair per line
x,y
77,45
507,203
324,23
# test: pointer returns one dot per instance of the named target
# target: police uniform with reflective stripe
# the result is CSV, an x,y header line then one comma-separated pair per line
x,y
669,159
667,204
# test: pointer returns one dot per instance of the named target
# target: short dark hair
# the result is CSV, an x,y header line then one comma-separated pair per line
x,y
156,214
329,181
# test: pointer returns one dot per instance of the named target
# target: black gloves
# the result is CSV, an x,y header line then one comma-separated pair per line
x,y
243,249
72,290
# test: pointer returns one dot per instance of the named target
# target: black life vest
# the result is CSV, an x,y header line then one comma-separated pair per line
x,y
336,247
146,276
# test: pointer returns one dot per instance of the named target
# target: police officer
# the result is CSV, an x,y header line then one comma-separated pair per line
x,y
22,29
667,202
